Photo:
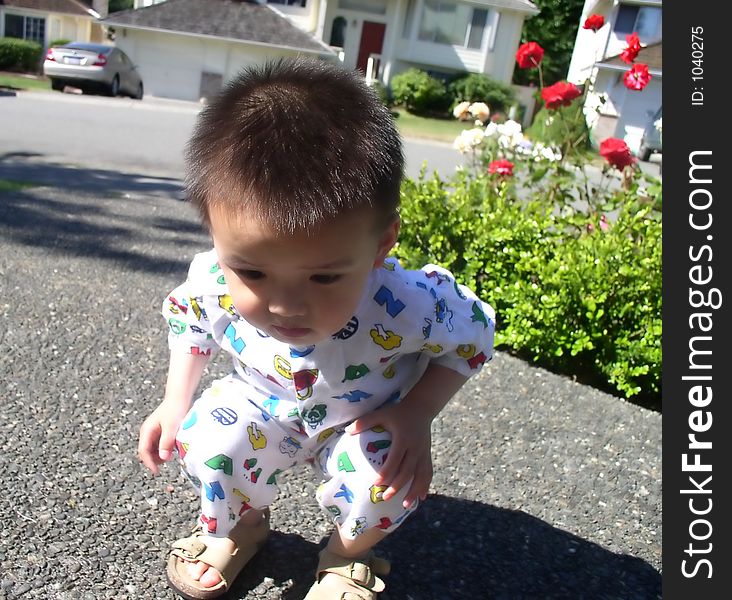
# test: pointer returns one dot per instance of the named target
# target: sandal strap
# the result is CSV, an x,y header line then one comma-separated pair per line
x,y
362,572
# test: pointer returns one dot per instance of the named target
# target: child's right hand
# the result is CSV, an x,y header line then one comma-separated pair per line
x,y
157,434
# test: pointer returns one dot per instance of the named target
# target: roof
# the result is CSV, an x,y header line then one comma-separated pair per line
x,y
651,55
72,7
230,19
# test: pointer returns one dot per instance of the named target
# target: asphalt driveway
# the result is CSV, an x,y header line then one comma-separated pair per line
x,y
543,488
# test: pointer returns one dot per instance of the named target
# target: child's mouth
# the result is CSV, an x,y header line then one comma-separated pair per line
x,y
291,332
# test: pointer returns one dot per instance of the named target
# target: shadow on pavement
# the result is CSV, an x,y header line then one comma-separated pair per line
x,y
452,549
34,168
137,222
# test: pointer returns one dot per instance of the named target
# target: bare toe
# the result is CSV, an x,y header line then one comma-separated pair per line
x,y
210,578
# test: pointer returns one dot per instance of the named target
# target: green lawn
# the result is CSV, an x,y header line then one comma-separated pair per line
x,y
18,81
13,186
444,130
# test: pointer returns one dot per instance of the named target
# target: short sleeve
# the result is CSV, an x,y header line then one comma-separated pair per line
x,y
198,308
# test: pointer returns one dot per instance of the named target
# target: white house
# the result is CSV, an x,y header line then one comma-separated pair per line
x,y
44,21
186,48
611,109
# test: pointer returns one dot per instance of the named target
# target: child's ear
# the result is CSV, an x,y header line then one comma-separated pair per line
x,y
386,242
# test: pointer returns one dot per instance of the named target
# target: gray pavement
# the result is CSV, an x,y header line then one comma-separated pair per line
x,y
543,488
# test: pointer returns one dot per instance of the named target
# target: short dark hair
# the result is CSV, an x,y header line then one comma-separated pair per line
x,y
295,142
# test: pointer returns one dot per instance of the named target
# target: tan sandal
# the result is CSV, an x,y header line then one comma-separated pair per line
x,y
248,538
342,578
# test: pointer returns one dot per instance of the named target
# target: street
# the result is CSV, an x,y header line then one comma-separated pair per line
x,y
147,137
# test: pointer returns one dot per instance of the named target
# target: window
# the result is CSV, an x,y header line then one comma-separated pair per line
x,y
32,29
645,20
301,3
456,24
376,7
338,32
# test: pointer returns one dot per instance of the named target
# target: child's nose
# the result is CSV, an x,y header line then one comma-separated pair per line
x,y
288,303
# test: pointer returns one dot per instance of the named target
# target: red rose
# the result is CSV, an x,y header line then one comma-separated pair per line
x,y
501,167
637,78
529,55
560,94
617,153
628,55
594,22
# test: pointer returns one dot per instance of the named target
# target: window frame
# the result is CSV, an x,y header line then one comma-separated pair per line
x,y
416,27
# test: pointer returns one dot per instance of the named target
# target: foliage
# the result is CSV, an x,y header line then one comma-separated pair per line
x,y
476,87
554,27
419,92
382,92
117,5
565,126
570,293
59,42
19,55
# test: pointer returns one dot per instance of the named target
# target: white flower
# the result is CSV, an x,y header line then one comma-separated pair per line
x,y
468,139
461,110
510,128
480,111
491,129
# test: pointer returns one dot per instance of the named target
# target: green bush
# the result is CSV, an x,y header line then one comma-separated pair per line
x,y
564,128
419,92
567,293
382,92
476,87
19,55
56,43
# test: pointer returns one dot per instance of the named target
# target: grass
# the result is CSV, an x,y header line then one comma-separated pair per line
x,y
20,81
442,130
14,186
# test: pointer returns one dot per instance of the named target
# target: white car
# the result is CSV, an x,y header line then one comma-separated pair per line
x,y
92,67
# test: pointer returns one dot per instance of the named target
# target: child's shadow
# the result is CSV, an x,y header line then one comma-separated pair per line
x,y
453,549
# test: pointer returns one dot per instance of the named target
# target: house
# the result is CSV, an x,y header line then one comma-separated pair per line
x,y
187,48
44,21
611,109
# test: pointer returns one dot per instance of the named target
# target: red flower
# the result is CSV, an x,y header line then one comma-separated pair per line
x,y
594,22
628,55
560,94
617,153
502,167
529,55
637,78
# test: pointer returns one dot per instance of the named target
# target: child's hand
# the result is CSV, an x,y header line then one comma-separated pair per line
x,y
410,455
157,434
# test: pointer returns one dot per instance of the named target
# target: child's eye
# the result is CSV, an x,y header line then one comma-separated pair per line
x,y
325,279
249,274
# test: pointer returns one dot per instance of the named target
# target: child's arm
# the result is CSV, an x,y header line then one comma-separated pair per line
x,y
158,431
409,423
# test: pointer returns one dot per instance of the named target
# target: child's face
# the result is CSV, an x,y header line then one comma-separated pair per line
x,y
300,288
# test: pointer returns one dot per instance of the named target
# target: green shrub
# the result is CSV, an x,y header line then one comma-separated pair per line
x,y
382,92
476,87
419,92
567,294
56,43
19,55
564,128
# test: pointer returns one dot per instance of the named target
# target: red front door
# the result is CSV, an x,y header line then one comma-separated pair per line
x,y
372,40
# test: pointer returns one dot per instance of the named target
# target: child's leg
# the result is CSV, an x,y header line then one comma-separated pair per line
x,y
232,453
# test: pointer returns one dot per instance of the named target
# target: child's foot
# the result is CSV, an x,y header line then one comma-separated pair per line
x,y
202,566
341,577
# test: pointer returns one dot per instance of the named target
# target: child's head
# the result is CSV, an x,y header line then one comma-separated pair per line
x,y
296,170
295,143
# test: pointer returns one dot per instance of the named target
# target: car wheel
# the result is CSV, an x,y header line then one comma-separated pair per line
x,y
57,85
644,153
139,92
114,86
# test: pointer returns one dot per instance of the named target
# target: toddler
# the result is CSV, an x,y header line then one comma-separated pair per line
x,y
341,358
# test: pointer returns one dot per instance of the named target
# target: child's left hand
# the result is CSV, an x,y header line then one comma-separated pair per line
x,y
410,455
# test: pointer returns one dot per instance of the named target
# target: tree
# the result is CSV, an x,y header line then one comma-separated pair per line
x,y
555,30
117,5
